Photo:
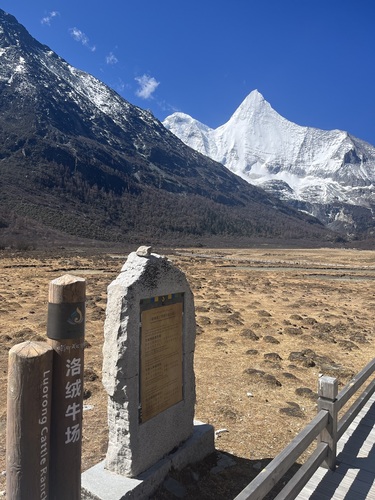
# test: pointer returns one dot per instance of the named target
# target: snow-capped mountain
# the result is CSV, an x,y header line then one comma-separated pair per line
x,y
77,158
327,173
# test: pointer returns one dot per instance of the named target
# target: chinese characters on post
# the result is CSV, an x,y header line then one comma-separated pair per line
x,y
66,332
72,395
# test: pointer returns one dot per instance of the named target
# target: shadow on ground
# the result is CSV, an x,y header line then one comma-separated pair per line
x,y
221,476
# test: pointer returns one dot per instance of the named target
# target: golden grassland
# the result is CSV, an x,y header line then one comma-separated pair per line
x,y
269,322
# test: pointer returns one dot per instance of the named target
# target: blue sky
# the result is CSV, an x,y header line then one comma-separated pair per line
x,y
313,60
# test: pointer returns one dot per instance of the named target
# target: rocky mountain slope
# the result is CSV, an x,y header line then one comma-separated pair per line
x,y
77,158
329,174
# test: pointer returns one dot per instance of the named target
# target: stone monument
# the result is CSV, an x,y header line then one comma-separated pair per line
x,y
148,373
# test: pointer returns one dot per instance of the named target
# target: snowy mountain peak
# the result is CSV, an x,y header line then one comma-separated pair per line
x,y
184,120
313,166
252,109
253,102
193,132
254,96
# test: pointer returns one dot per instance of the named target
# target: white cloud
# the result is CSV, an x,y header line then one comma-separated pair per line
x,y
79,36
147,86
111,58
47,20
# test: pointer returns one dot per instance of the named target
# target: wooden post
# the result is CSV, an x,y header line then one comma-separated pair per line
x,y
327,391
28,420
65,331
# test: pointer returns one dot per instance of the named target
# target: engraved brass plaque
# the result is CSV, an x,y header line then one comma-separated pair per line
x,y
161,384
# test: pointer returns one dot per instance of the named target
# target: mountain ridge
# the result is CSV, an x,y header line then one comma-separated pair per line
x,y
309,168
78,158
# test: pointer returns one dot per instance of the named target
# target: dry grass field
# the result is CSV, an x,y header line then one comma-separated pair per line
x,y
269,321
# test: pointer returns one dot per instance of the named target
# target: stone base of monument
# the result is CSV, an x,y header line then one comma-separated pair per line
x,y
101,484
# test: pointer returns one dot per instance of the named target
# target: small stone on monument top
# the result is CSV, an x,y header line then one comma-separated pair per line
x,y
144,251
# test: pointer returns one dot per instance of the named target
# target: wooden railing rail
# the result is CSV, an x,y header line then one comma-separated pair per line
x,y
352,387
275,470
353,411
325,426
304,474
